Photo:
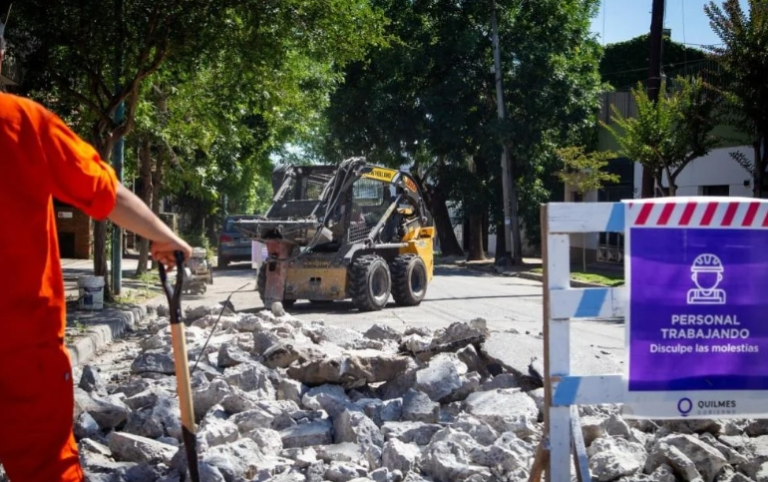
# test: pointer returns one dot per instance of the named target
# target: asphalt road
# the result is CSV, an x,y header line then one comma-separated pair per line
x,y
511,306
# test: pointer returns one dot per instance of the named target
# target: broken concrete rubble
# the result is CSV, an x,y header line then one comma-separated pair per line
x,y
281,400
278,399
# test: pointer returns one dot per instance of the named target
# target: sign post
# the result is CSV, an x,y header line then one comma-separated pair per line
x,y
697,336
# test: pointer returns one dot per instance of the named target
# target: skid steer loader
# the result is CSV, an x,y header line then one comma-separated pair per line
x,y
354,231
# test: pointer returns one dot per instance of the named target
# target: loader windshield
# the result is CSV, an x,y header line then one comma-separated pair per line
x,y
306,188
300,192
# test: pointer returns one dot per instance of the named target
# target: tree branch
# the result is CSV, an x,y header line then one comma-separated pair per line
x,y
82,98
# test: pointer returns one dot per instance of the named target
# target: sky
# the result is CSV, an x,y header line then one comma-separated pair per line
x,y
620,20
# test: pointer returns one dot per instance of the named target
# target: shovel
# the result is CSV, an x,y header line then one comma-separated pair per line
x,y
181,363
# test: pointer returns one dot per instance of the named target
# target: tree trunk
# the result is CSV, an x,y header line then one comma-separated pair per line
x,y
157,186
671,182
517,238
657,181
760,163
476,217
100,267
501,241
476,252
436,202
672,189
145,160
210,229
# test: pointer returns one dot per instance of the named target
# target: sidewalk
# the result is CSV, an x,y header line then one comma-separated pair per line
x,y
530,269
74,268
89,331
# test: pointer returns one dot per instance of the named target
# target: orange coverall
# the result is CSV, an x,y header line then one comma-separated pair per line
x,y
40,158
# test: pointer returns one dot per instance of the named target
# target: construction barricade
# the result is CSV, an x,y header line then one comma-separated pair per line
x,y
694,304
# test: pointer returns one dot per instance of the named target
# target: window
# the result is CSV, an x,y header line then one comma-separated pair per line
x,y
716,190
368,192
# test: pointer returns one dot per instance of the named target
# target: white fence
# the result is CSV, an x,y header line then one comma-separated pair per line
x,y
564,391
678,243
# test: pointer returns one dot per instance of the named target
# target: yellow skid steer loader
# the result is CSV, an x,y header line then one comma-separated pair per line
x,y
354,231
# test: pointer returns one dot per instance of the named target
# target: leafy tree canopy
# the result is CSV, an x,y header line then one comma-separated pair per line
x,y
624,64
667,135
428,100
745,64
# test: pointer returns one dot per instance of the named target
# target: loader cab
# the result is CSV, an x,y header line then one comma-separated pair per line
x,y
298,190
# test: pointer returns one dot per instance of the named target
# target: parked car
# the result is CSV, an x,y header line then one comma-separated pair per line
x,y
233,246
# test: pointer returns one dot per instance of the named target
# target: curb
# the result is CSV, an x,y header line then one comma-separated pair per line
x,y
527,275
103,327
539,277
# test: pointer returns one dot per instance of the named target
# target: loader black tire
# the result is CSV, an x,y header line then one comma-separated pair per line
x,y
370,283
261,286
261,281
409,280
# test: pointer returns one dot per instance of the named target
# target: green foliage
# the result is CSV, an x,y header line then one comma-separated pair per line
x,y
666,135
216,85
743,58
584,171
198,239
427,100
624,64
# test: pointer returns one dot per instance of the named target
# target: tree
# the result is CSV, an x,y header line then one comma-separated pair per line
x,y
624,64
231,111
667,135
74,63
585,172
743,57
280,58
428,101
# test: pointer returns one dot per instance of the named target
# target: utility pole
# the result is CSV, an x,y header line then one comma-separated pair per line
x,y
118,152
506,170
654,78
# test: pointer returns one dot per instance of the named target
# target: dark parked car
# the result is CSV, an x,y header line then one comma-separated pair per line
x,y
233,246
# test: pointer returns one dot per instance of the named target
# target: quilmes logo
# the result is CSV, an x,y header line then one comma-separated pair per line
x,y
684,406
705,407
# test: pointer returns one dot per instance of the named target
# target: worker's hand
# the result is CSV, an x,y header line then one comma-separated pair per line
x,y
164,251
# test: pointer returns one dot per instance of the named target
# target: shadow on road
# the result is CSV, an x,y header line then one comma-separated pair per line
x,y
461,298
235,267
607,321
336,308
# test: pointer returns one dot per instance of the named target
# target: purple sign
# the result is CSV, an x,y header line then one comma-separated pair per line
x,y
698,309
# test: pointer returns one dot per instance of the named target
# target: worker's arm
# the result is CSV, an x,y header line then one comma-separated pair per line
x,y
79,177
131,213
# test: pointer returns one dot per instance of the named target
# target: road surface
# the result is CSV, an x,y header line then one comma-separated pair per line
x,y
511,306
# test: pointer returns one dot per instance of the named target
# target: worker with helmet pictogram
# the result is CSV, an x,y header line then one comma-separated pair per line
x,y
707,272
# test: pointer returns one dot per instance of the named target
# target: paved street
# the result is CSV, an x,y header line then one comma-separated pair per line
x,y
508,304
511,306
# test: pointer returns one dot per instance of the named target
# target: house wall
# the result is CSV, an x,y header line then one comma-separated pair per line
x,y
705,175
74,232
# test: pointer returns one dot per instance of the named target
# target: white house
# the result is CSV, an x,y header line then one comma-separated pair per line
x,y
715,174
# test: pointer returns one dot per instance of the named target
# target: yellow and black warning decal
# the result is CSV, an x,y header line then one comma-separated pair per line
x,y
381,174
409,183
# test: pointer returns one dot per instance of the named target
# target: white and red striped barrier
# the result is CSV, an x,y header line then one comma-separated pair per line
x,y
700,212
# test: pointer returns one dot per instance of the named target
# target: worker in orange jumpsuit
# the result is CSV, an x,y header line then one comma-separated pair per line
x,y
40,158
